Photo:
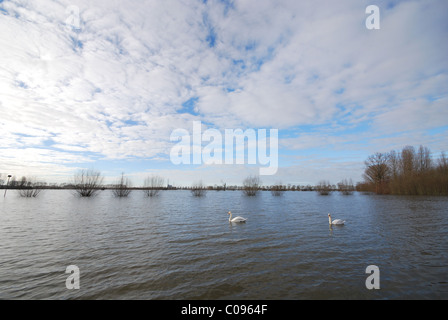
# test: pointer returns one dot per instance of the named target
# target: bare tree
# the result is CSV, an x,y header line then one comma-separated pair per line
x,y
251,185
22,182
153,185
198,189
394,161
12,181
423,160
29,188
377,171
278,189
408,161
87,182
222,187
324,188
442,163
122,188
346,187
406,172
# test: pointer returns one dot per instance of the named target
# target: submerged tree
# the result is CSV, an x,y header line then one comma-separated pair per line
x,y
122,188
324,188
153,185
29,188
346,187
406,172
377,171
251,185
278,189
87,182
198,189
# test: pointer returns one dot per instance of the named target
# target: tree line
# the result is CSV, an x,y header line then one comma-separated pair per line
x,y
409,171
88,182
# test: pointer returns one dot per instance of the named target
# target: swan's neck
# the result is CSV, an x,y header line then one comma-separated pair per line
x,y
329,219
230,217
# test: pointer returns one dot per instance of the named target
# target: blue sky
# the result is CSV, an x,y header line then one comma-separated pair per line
x,y
108,92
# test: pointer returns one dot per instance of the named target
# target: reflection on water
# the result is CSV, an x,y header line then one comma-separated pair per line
x,y
176,246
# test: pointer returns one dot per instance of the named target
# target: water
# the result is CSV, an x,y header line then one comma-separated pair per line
x,y
176,246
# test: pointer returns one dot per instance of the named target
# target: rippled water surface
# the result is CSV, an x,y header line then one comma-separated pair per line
x,y
176,246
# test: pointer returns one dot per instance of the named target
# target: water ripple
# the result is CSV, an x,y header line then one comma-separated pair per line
x,y
180,247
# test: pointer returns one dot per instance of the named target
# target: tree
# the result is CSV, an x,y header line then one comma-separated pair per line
x,y
87,182
29,188
394,160
346,187
377,171
198,189
324,188
152,185
408,161
423,160
406,172
122,188
278,189
442,163
12,181
251,185
22,182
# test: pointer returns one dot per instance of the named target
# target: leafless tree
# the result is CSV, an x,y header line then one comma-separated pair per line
x,y
122,188
406,172
346,187
324,188
87,182
442,163
394,163
152,185
408,161
198,189
278,189
377,171
423,159
29,188
251,185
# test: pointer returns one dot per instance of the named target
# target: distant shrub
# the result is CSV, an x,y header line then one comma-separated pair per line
x,y
324,188
278,190
29,188
251,186
122,188
87,182
346,187
153,185
198,189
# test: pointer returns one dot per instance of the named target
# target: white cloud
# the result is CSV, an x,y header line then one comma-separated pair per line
x,y
115,87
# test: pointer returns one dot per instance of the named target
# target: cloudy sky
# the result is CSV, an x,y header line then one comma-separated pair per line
x,y
103,84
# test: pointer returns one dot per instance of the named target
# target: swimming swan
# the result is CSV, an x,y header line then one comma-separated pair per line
x,y
336,221
236,219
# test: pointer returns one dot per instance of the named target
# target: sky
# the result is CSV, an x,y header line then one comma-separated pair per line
x,y
103,84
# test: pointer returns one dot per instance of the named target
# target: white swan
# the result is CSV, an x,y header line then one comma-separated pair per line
x,y
236,219
335,221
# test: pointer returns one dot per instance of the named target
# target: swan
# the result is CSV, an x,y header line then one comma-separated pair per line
x,y
236,219
335,221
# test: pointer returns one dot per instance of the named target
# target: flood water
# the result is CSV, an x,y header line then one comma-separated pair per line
x,y
176,246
